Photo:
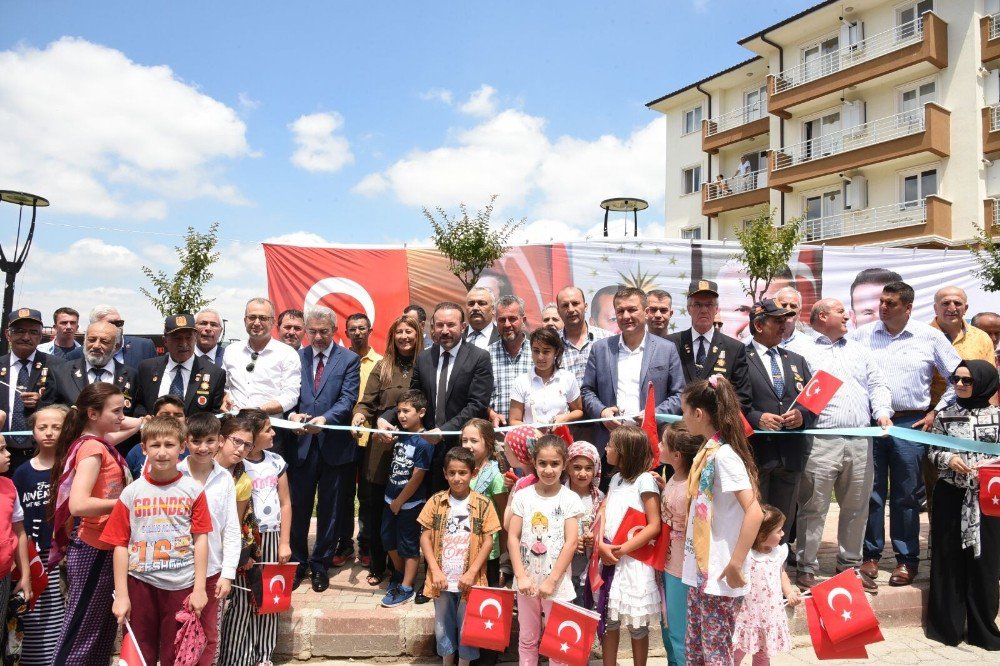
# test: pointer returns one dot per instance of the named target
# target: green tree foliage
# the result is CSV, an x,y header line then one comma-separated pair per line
x,y
471,244
183,292
766,251
987,254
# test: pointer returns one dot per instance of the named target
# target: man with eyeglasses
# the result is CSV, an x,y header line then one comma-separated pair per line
x,y
658,312
97,365
25,381
209,327
132,349
263,372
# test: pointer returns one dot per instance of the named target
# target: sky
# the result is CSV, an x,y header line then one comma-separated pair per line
x,y
329,122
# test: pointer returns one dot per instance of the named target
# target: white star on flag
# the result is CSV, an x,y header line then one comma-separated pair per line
x,y
846,615
489,624
996,500
277,599
564,647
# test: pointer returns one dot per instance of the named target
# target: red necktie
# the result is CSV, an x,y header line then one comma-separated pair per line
x,y
319,374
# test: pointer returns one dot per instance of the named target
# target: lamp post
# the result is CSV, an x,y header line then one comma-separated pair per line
x,y
627,205
11,261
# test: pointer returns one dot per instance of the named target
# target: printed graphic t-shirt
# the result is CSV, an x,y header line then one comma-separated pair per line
x,y
455,541
264,475
543,533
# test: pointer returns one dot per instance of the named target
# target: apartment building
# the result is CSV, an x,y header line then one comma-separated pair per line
x,y
876,122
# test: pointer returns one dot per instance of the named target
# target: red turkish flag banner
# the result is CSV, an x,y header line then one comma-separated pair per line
x,y
277,586
818,391
633,521
747,428
130,655
39,577
989,494
653,553
488,614
594,567
569,634
843,606
822,645
649,425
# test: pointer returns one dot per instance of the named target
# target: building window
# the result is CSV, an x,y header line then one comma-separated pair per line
x,y
907,14
913,98
692,121
691,233
917,186
691,180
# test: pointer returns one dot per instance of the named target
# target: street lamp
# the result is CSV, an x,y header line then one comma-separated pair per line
x,y
627,205
11,264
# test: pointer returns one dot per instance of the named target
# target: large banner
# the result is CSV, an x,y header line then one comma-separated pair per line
x,y
382,282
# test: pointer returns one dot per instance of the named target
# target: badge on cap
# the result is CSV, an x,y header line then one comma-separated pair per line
x,y
24,312
182,320
703,285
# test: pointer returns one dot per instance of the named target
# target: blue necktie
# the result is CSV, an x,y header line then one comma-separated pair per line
x,y
699,360
177,386
779,382
18,422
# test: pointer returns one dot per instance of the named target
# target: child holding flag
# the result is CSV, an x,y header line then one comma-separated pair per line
x,y
13,544
459,529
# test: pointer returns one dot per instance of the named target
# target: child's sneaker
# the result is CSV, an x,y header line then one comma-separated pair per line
x,y
398,597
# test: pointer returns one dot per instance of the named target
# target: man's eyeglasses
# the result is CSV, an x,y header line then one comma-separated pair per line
x,y
964,381
253,361
117,322
260,318
240,443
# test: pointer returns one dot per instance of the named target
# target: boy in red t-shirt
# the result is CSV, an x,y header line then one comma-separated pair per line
x,y
159,529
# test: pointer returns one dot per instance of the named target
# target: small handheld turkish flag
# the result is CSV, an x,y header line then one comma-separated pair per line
x,y
594,567
649,425
653,553
488,614
747,428
818,392
822,645
843,606
633,521
569,634
989,490
130,655
39,578
277,588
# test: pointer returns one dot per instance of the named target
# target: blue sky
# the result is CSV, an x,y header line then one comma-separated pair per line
x,y
334,122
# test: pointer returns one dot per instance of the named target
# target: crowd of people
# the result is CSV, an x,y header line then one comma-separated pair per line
x,y
481,452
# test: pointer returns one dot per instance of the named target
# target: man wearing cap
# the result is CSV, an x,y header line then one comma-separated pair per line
x,y
776,378
193,379
26,380
707,351
97,365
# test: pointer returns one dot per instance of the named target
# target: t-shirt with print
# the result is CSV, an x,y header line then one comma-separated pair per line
x,y
410,452
33,491
455,541
489,483
109,485
157,522
543,533
264,475
727,520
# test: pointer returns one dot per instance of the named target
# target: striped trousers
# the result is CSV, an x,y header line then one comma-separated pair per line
x,y
43,622
246,638
89,628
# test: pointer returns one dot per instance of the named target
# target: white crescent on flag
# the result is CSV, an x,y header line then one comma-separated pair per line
x,y
341,285
632,532
989,486
270,585
838,592
572,625
813,388
490,603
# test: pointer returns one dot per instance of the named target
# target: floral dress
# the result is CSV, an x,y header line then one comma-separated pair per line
x,y
761,622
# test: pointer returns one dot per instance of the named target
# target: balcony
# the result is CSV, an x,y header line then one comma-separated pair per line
x,y
991,216
989,37
884,224
922,40
733,193
737,125
991,130
901,135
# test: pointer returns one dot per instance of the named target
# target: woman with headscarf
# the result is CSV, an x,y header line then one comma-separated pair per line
x,y
965,545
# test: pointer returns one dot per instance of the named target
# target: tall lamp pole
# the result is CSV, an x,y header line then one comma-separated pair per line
x,y
11,261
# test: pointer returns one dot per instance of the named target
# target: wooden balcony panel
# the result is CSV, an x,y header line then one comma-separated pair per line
x,y
711,144
761,195
990,47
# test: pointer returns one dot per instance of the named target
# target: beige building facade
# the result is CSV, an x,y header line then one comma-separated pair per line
x,y
875,122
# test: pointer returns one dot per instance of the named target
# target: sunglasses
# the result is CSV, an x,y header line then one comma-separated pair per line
x,y
964,381
253,361
117,322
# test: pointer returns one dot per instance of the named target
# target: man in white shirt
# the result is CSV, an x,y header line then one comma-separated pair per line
x,y
262,373
208,325
481,332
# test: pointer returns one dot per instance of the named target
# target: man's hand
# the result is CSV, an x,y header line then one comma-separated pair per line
x,y
358,421
227,404
771,422
884,422
926,422
432,436
497,419
608,412
30,399
311,424
791,419
382,424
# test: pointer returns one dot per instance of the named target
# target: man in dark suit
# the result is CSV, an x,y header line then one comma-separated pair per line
x,y
706,351
620,368
196,381
25,380
323,460
776,378
456,377
132,349
208,325
482,331
97,365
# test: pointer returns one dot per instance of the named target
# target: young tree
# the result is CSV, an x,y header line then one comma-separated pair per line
x,y
766,251
470,243
182,292
986,251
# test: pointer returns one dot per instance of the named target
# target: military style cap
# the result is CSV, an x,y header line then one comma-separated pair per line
x,y
29,314
178,323
703,287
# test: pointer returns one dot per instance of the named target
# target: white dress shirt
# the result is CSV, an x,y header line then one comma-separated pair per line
x,y
15,368
696,341
109,372
482,338
629,370
277,375
224,539
765,358
210,353
168,376
326,359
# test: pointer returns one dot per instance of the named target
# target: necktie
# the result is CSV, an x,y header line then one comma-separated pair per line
x,y
18,422
700,358
177,386
442,390
779,382
319,373
99,374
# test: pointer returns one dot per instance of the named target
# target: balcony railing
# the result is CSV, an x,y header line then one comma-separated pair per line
x,y
864,50
994,26
852,138
995,117
737,117
733,185
868,220
996,217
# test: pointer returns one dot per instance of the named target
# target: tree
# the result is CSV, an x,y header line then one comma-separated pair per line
x,y
986,252
766,251
182,292
470,244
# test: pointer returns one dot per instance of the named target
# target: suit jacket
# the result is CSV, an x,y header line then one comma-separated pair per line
x,y
40,377
789,451
494,334
71,379
470,386
661,365
335,400
197,397
726,356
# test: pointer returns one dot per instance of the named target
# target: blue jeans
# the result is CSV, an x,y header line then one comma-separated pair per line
x,y
673,633
898,478
449,611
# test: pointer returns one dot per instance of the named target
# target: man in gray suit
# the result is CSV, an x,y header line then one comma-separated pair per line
x,y
620,368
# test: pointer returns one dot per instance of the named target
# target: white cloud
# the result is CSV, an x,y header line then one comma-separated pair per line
x,y
247,102
370,185
442,95
101,135
481,103
319,146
